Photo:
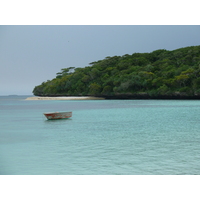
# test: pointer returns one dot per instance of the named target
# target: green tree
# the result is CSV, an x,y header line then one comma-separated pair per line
x,y
160,72
95,89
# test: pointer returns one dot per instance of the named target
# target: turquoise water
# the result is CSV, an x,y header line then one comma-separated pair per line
x,y
133,137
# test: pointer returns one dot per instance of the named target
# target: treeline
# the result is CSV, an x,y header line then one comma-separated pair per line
x,y
161,73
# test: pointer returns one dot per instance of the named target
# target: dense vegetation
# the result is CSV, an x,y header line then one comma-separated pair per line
x,y
159,74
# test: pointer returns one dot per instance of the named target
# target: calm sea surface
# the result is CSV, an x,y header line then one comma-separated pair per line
x,y
133,137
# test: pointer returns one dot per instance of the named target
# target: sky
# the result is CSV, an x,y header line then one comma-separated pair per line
x,y
30,55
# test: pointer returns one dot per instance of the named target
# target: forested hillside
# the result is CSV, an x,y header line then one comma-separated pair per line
x,y
159,74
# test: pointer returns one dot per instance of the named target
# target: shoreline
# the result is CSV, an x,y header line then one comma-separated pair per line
x,y
65,98
144,96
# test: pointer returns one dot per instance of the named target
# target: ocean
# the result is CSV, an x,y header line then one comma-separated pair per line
x,y
103,137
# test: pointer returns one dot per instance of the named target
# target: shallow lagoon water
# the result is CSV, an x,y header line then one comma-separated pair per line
x,y
133,137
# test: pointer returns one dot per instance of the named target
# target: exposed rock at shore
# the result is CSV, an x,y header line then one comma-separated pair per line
x,y
144,95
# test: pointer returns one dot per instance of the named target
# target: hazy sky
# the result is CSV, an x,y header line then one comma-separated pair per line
x,y
30,55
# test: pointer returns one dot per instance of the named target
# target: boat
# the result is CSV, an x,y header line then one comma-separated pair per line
x,y
58,115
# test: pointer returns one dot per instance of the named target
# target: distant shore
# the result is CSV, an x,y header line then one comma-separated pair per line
x,y
65,98
119,97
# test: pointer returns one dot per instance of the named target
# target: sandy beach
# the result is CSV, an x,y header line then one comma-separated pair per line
x,y
65,98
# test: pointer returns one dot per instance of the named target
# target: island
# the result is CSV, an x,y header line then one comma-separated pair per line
x,y
161,74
